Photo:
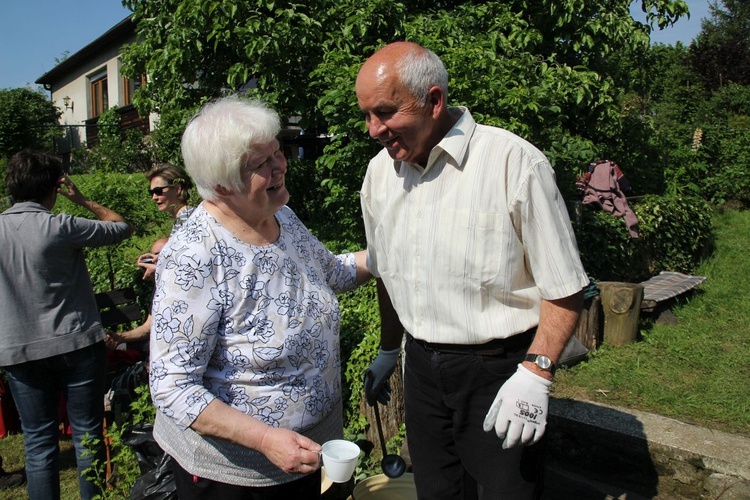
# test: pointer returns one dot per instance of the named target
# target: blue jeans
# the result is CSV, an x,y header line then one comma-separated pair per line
x,y
36,387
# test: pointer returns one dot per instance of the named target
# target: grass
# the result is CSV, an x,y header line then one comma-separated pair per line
x,y
695,371
11,449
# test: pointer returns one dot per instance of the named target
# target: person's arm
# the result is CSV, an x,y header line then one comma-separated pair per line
x,y
377,387
71,192
288,450
363,273
519,412
391,330
141,332
557,322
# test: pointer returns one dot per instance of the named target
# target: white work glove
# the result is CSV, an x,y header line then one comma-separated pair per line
x,y
519,412
377,387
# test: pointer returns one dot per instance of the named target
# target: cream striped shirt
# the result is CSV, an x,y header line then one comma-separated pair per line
x,y
470,245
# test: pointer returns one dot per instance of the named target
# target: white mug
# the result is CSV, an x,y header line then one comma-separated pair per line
x,y
340,459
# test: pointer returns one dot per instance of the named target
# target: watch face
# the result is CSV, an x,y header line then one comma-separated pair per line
x,y
543,362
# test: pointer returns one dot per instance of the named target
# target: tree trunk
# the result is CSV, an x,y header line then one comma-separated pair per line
x,y
589,327
621,303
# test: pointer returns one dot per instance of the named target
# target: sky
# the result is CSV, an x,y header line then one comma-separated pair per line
x,y
35,32
684,30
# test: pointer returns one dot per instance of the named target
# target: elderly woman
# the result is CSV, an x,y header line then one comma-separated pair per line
x,y
245,367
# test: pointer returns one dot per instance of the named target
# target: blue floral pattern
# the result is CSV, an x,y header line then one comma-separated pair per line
x,y
256,327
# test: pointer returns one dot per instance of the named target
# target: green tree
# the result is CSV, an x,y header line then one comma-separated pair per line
x,y
721,52
27,120
549,70
112,152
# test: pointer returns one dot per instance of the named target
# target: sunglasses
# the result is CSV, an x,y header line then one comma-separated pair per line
x,y
159,190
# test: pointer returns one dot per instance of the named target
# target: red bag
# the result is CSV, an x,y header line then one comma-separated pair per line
x,y
10,422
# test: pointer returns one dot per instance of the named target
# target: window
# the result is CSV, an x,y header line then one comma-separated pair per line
x,y
130,85
99,96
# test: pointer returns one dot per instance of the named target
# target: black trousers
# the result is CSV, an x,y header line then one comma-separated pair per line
x,y
190,487
447,396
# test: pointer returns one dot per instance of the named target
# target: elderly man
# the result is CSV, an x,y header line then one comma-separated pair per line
x,y
477,262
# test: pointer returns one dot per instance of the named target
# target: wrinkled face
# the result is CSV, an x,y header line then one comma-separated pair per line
x,y
168,199
263,174
394,117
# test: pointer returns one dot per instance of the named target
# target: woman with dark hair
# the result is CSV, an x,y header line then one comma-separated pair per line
x,y
51,337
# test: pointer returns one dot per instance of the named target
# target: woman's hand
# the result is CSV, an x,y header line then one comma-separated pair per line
x,y
112,340
148,262
288,450
291,452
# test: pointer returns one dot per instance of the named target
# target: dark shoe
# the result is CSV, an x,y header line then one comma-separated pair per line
x,y
11,480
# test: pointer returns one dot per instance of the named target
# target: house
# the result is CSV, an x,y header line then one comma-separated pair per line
x,y
88,83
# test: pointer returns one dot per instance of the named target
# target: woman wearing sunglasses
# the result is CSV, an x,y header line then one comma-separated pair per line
x,y
169,189
169,186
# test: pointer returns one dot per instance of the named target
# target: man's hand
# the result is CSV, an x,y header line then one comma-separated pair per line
x,y
377,388
519,412
112,340
69,190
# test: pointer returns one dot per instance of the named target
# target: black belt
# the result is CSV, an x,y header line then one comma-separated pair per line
x,y
492,348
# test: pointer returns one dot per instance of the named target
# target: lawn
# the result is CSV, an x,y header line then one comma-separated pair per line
x,y
11,449
695,371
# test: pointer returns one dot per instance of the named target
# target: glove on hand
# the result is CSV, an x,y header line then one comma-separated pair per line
x,y
377,388
519,412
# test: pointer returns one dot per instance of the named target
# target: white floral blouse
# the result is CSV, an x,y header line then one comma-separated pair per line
x,y
255,326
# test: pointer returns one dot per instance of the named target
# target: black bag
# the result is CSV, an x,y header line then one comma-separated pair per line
x,y
157,484
122,391
157,479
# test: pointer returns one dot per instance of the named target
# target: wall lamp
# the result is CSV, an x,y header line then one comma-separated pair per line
x,y
68,103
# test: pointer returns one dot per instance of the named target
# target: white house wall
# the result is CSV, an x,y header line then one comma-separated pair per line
x,y
76,85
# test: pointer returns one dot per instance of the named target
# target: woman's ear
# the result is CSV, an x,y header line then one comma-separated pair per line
x,y
221,190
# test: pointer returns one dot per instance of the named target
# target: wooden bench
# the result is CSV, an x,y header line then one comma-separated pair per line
x,y
118,307
660,290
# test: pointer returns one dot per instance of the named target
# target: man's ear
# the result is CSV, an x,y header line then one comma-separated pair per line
x,y
436,100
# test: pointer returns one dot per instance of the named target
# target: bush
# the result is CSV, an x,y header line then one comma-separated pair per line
x,y
114,266
675,235
114,153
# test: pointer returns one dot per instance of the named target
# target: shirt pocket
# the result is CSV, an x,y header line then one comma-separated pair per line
x,y
468,244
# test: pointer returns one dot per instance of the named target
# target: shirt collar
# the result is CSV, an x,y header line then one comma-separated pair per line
x,y
26,206
454,144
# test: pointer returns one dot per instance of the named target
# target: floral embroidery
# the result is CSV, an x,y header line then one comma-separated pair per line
x,y
251,326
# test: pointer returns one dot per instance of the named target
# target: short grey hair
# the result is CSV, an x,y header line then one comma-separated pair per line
x,y
220,137
419,70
